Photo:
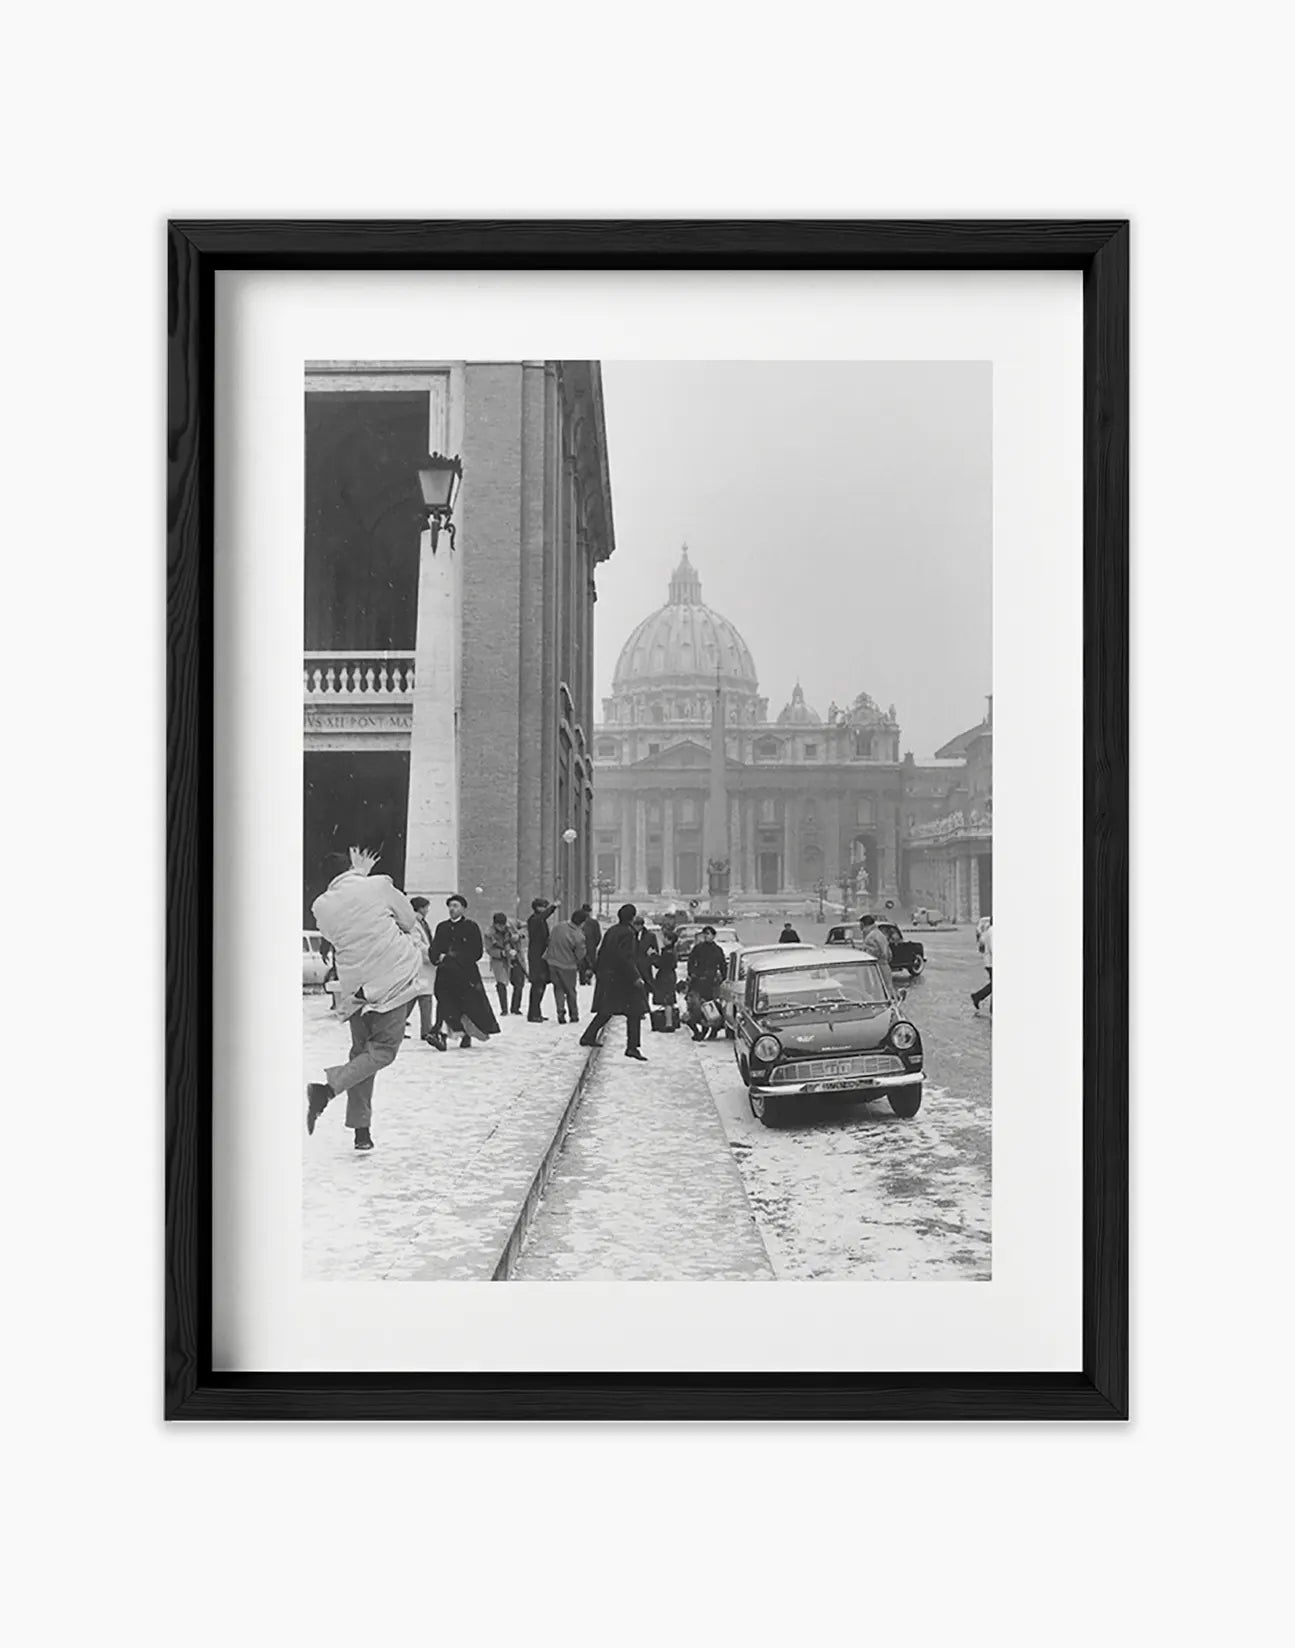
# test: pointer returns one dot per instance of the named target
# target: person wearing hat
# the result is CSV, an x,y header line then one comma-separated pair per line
x,y
460,995
706,968
537,942
504,947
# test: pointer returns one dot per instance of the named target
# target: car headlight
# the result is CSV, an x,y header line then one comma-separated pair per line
x,y
767,1049
904,1037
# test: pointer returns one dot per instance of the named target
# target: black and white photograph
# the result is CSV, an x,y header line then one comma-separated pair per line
x,y
648,823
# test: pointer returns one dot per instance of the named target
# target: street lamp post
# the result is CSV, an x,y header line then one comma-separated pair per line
x,y
568,838
438,480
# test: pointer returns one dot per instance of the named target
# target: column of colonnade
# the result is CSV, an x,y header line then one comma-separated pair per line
x,y
669,885
626,876
640,848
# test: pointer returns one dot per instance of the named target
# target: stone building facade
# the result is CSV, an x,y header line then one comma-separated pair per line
x,y
783,805
449,691
949,852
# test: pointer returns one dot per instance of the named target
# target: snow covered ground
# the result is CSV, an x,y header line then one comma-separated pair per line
x,y
458,1136
645,1184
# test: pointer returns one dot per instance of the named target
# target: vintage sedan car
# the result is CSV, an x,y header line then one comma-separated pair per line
x,y
314,963
818,1021
907,955
730,992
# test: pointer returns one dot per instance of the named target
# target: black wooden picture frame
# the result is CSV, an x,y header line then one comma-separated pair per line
x,y
197,251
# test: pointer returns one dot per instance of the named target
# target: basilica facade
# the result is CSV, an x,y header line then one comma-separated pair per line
x,y
764,809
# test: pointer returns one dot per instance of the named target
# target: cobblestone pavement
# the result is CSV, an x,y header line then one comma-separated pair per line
x,y
855,1192
645,1187
458,1137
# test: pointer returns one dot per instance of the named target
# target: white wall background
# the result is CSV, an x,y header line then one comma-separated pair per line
x,y
118,116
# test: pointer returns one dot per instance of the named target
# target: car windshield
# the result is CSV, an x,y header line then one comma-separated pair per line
x,y
847,983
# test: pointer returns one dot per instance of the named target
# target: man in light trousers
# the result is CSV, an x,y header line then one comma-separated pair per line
x,y
372,927
564,955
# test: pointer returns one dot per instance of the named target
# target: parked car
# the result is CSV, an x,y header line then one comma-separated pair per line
x,y
907,955
813,1021
922,917
730,992
314,963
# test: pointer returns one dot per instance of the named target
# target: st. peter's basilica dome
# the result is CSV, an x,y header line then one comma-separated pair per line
x,y
682,643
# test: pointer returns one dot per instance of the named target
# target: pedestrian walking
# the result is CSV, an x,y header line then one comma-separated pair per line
x,y
647,948
503,941
565,953
875,943
987,946
619,988
461,1001
665,978
788,935
706,969
427,1001
371,926
537,942
593,938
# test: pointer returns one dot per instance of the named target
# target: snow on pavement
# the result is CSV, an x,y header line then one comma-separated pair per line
x,y
645,1187
458,1137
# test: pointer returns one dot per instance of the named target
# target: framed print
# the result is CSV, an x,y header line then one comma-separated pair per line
x,y
593,647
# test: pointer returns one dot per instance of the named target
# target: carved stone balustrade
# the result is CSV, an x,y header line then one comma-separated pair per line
x,y
358,677
358,700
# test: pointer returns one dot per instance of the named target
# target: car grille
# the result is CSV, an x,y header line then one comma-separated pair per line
x,y
865,1064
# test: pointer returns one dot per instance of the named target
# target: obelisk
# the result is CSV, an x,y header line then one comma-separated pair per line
x,y
717,846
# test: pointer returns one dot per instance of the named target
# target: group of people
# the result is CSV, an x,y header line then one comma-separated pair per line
x,y
387,956
635,972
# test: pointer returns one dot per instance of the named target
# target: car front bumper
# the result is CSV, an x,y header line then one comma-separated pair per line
x,y
841,1084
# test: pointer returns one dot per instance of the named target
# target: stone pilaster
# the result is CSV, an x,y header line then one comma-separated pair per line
x,y
432,840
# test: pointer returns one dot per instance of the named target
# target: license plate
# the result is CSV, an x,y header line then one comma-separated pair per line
x,y
843,1084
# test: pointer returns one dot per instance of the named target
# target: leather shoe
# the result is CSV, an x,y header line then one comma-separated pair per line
x,y
633,1053
317,1097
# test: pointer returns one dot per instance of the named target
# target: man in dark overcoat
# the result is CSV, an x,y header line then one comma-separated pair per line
x,y
619,987
593,938
537,942
460,995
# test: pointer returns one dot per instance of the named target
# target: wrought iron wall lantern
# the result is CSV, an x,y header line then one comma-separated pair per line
x,y
438,479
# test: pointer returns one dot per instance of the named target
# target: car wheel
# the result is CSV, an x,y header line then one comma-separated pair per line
x,y
916,965
768,1112
907,1102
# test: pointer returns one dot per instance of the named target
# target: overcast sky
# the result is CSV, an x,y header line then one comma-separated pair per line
x,y
837,512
